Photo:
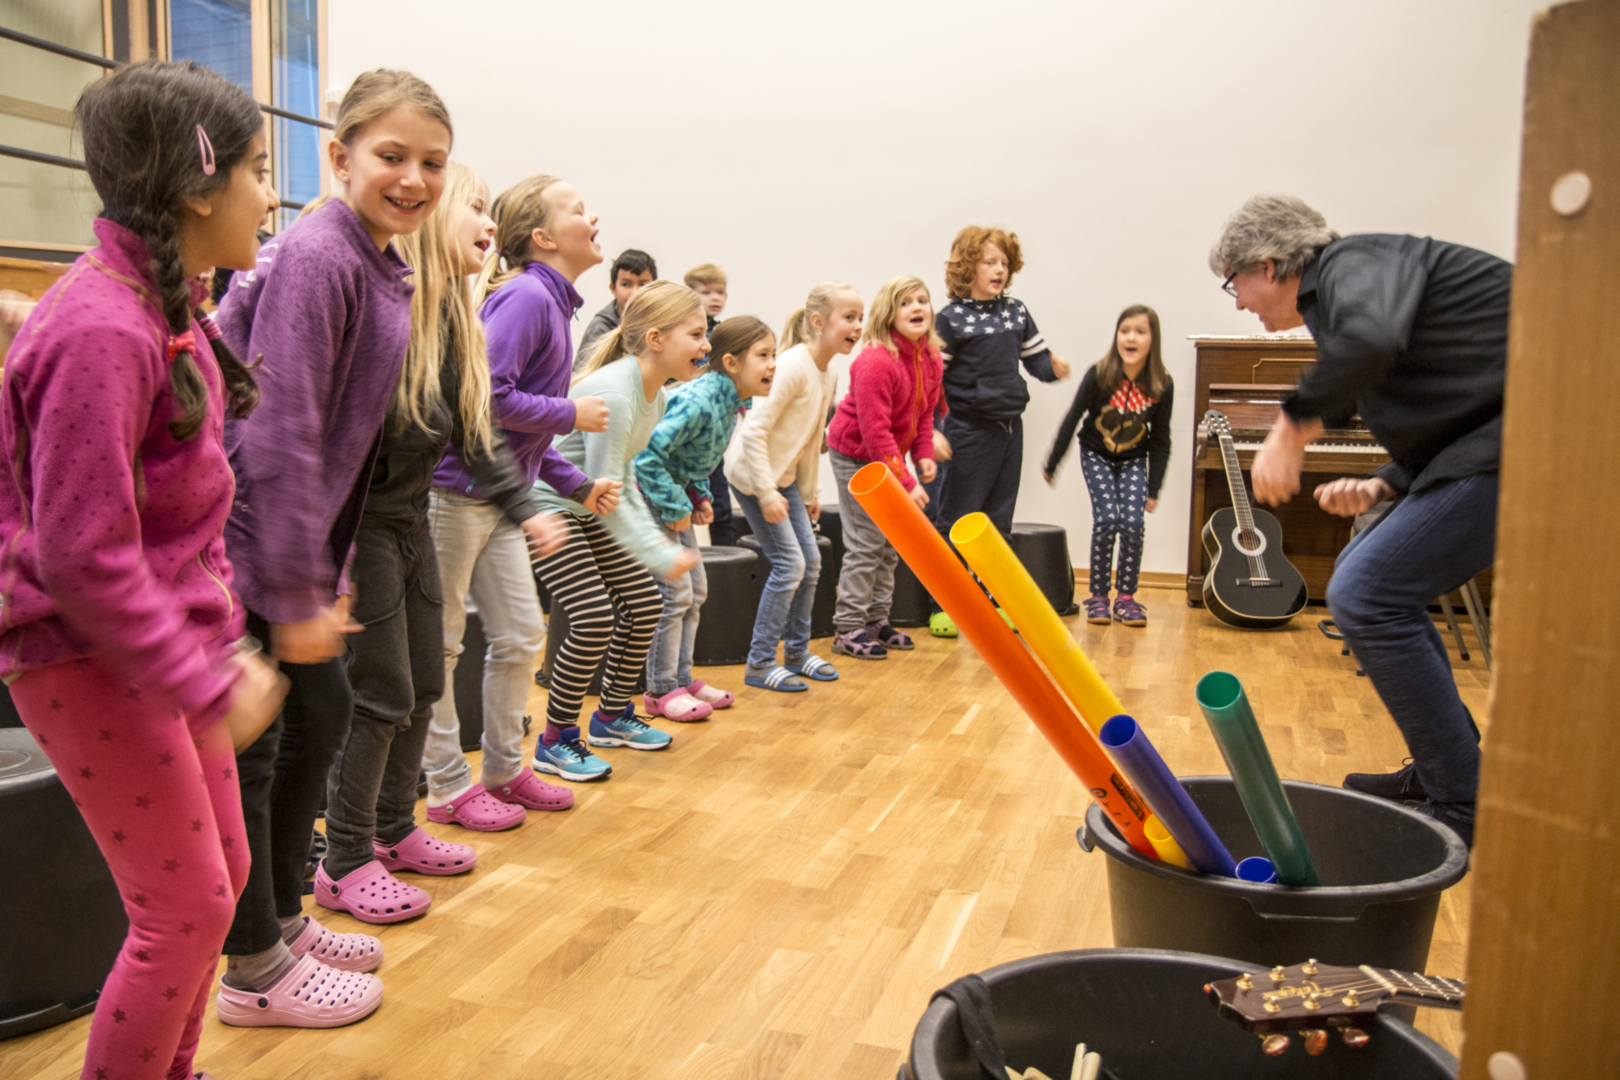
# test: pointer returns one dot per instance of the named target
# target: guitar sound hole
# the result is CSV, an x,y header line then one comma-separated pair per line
x,y
1250,542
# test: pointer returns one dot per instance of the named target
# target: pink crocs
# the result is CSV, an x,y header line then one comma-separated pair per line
x,y
477,809
346,952
711,696
527,789
307,995
371,894
678,705
425,853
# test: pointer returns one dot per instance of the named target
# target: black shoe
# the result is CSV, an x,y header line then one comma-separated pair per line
x,y
1458,817
1397,786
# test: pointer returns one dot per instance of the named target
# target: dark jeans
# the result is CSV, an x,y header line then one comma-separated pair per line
x,y
722,530
983,475
1385,580
282,775
396,667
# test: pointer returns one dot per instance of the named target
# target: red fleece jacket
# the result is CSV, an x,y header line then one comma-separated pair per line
x,y
889,409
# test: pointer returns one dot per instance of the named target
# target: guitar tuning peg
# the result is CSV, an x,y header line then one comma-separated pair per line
x,y
1356,1037
1277,974
1316,1041
1274,1045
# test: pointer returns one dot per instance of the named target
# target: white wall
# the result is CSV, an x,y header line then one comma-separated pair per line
x,y
792,143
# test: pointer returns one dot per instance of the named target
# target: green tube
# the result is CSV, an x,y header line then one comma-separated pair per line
x,y
1226,707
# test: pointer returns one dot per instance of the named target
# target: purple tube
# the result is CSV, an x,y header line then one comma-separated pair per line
x,y
1165,796
1257,868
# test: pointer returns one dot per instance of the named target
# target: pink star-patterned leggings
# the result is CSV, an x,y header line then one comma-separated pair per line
x,y
163,805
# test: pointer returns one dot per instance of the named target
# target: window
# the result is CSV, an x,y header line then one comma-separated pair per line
x,y
217,34
295,83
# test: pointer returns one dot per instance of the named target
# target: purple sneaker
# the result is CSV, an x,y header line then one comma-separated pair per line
x,y
1097,610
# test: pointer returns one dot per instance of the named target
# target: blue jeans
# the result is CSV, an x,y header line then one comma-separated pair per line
x,y
1386,578
669,661
790,591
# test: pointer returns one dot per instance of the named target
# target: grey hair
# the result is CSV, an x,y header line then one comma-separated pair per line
x,y
1278,227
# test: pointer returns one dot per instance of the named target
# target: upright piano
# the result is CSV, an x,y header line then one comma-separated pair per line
x,y
1247,378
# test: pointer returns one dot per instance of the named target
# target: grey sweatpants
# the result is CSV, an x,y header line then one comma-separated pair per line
x,y
866,581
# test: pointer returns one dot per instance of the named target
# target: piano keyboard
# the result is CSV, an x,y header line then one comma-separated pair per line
x,y
1372,449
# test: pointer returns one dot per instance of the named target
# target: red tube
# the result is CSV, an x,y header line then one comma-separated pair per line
x,y
943,574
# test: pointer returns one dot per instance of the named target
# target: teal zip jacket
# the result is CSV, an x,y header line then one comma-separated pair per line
x,y
687,444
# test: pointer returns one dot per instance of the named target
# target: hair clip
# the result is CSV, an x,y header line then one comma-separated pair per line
x,y
205,149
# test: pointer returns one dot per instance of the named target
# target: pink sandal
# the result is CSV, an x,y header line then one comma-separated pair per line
x,y
346,952
477,809
711,696
371,894
307,995
678,705
425,853
527,789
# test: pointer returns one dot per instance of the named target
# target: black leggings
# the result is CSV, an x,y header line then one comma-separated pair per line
x,y
613,605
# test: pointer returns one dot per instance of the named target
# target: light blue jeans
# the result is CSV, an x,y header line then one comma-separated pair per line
x,y
790,591
669,661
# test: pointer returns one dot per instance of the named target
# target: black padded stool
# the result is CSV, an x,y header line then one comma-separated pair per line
x,y
821,612
727,625
66,922
831,525
556,630
469,687
1044,551
8,710
912,604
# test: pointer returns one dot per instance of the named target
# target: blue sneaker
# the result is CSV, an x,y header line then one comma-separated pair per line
x,y
569,759
626,729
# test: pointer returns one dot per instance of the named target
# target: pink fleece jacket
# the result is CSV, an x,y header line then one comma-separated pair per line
x,y
889,409
111,527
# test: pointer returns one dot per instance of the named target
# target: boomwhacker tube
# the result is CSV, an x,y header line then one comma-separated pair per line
x,y
943,575
988,553
1226,707
1124,738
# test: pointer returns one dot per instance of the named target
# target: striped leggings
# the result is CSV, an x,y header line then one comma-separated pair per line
x,y
613,606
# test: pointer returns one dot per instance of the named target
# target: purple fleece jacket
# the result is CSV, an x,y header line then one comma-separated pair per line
x,y
531,358
327,318
111,526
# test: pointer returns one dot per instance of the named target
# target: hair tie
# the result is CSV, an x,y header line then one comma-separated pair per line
x,y
205,150
179,343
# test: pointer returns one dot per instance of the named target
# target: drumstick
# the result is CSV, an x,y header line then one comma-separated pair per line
x,y
1078,1070
1093,1066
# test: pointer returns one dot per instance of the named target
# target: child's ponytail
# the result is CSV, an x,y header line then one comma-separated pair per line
x,y
734,337
149,129
662,305
820,302
517,211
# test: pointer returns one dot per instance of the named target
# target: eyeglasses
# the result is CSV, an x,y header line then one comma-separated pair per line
x,y
1227,287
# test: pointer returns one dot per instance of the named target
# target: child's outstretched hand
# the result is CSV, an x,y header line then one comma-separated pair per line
x,y
1060,366
919,496
604,496
684,561
776,510
590,414
703,513
1152,505
927,470
545,533
942,446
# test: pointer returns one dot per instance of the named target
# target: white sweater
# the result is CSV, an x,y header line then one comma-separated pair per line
x,y
778,442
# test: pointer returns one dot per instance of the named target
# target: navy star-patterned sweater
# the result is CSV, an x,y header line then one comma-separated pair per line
x,y
985,341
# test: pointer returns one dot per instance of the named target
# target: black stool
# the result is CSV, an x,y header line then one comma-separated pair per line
x,y
821,612
1044,551
726,627
66,922
831,525
912,604
469,687
556,630
8,710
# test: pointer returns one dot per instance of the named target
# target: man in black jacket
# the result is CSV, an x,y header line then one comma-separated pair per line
x,y
1411,334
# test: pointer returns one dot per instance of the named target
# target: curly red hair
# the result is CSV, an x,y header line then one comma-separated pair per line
x,y
968,248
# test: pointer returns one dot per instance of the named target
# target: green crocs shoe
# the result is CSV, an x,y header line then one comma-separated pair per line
x,y
940,625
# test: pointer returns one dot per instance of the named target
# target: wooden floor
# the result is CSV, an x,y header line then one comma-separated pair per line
x,y
778,894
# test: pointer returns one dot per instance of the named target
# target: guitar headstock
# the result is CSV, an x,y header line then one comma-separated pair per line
x,y
1216,424
1310,997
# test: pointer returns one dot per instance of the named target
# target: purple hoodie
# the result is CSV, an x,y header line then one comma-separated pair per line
x,y
110,525
327,318
530,362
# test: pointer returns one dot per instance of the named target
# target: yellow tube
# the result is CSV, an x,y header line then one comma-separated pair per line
x,y
1165,844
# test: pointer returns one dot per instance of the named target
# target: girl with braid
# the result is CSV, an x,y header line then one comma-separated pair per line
x,y
119,631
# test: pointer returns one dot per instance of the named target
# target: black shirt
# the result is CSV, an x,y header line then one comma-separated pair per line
x,y
1121,426
985,341
1411,333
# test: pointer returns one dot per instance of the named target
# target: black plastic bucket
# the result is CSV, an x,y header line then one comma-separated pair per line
x,y
1383,869
1145,1012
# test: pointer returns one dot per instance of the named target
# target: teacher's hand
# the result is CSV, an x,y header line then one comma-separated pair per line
x,y
1349,496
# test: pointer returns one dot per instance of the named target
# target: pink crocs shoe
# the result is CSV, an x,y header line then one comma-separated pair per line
x,y
346,952
307,995
371,894
711,696
477,809
527,789
678,705
425,853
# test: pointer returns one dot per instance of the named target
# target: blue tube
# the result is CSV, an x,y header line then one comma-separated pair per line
x,y
1257,868
1153,780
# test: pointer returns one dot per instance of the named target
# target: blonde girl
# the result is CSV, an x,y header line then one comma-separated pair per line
x,y
773,466
602,576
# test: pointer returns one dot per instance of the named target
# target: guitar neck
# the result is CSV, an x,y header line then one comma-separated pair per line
x,y
1410,988
1234,482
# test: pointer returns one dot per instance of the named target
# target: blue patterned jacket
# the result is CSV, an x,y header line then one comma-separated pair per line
x,y
687,444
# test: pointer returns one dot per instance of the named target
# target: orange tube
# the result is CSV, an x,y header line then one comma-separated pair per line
x,y
938,568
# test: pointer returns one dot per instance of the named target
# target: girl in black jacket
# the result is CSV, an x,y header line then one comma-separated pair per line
x,y
1122,411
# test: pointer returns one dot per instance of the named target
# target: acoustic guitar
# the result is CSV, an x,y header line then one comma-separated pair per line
x,y
1315,1000
1250,584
